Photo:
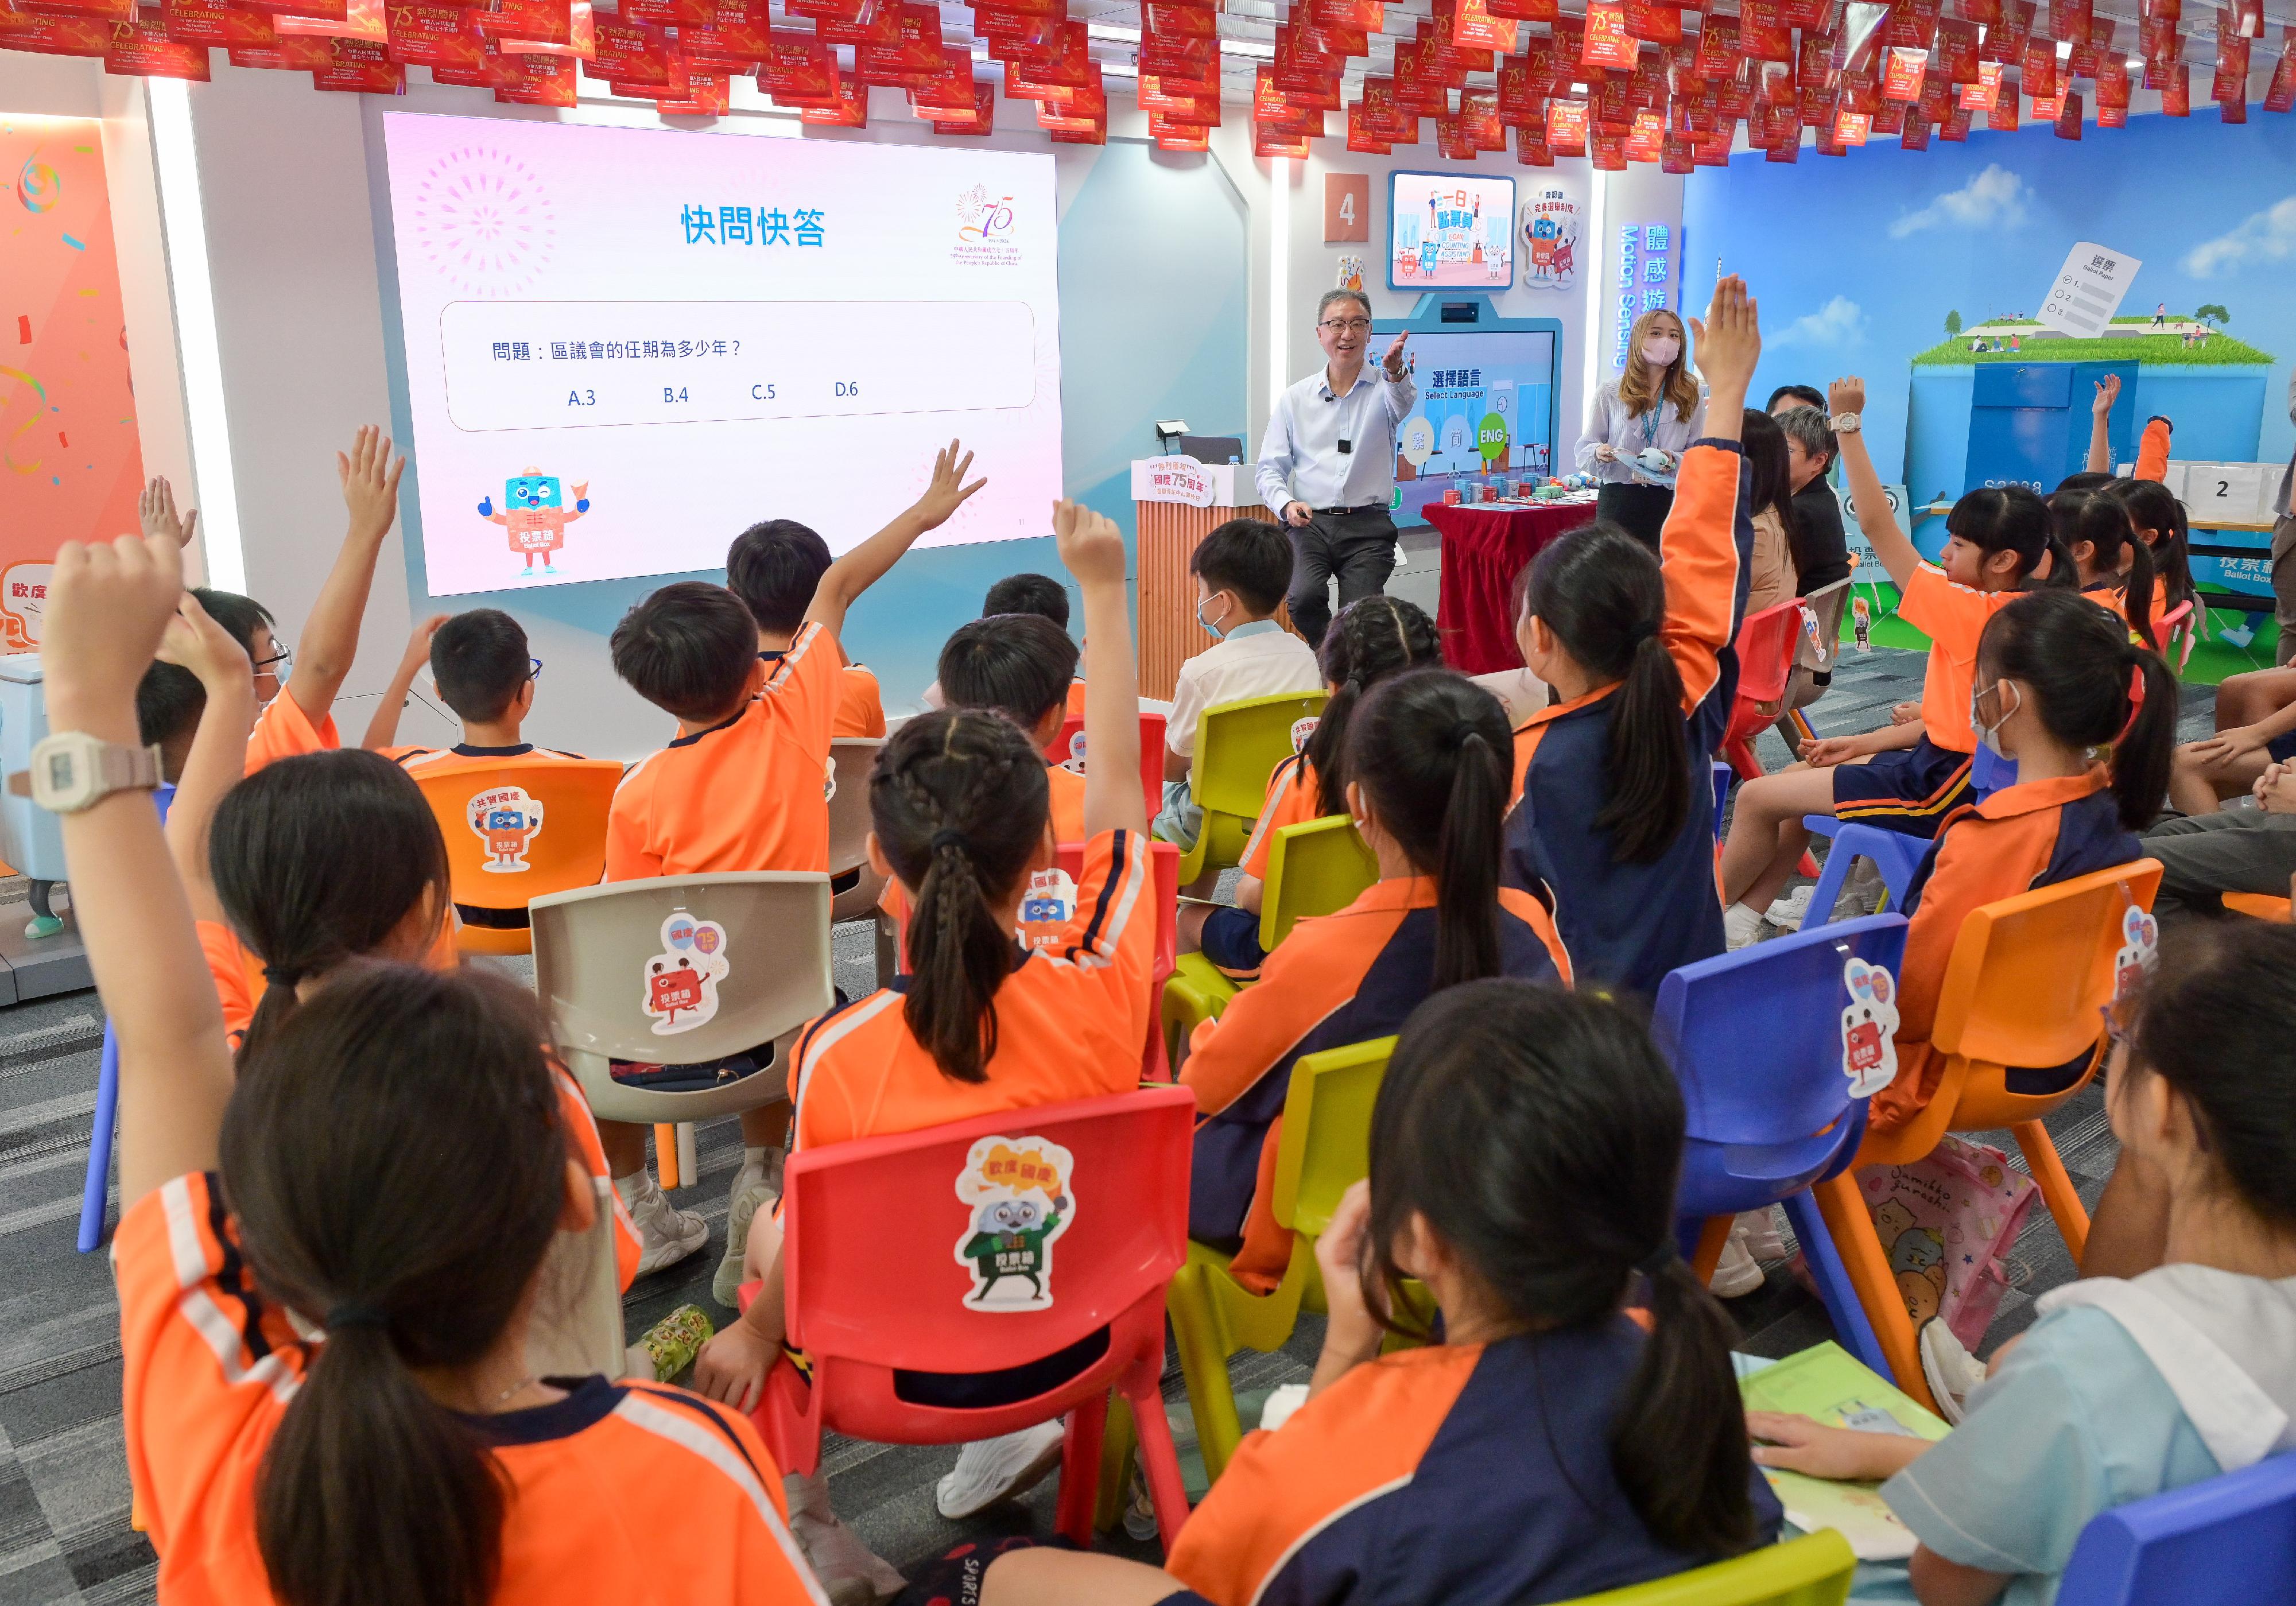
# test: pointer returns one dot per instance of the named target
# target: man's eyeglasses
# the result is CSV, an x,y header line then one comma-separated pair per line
x,y
1346,325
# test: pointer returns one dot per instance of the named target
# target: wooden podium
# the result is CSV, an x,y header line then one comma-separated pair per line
x,y
1179,501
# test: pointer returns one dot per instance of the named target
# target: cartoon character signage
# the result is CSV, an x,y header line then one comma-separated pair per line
x,y
680,983
507,820
1020,1193
1869,1029
535,513
1047,907
2140,950
1550,238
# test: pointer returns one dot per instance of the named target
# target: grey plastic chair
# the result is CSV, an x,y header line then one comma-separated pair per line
x,y
850,760
599,953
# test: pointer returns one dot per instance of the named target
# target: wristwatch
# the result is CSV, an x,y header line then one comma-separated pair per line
x,y
1845,424
72,770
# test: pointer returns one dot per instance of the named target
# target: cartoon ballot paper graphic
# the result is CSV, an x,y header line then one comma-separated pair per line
x,y
1869,1029
507,821
681,982
2140,951
1021,1195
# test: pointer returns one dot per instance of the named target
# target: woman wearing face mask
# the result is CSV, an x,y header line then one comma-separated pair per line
x,y
1638,426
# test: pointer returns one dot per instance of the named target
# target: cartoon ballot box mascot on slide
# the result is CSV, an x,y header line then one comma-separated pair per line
x,y
535,513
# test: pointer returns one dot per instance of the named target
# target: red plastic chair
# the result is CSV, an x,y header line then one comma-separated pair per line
x,y
876,1291
1765,655
1069,744
2165,628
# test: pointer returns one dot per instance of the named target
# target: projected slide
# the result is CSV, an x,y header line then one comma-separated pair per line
x,y
1486,405
622,347
1450,228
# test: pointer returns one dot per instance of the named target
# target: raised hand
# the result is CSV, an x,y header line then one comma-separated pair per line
x,y
1846,395
370,477
2107,391
1729,338
155,513
1090,545
1393,360
947,492
108,606
195,642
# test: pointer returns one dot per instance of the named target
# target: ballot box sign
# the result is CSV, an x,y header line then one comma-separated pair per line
x,y
2088,291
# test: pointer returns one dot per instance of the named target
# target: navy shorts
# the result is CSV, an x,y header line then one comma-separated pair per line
x,y
2283,747
1911,790
1230,941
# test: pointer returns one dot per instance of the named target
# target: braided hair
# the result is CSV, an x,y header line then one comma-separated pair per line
x,y
959,803
1373,638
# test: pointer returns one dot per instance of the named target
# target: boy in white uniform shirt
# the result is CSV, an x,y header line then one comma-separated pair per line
x,y
1242,570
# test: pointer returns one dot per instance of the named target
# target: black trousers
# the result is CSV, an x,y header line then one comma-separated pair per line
x,y
1359,547
1640,510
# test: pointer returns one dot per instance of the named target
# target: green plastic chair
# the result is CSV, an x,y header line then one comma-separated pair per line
x,y
1814,1570
1238,745
1316,867
1324,1149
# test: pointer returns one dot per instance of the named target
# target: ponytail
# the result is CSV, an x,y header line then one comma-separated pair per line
x,y
1373,638
1432,753
1678,1445
961,955
395,1157
318,859
2145,751
1650,756
2153,506
1539,1134
960,805
1601,592
2092,687
2136,598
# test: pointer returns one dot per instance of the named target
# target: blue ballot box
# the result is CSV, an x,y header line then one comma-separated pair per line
x,y
2028,423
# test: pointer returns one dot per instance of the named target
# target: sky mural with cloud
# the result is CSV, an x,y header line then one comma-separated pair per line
x,y
1858,261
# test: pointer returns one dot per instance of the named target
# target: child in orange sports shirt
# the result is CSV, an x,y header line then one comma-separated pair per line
x,y
328,1262
297,714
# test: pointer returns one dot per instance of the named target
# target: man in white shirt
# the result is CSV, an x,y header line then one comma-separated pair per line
x,y
1327,463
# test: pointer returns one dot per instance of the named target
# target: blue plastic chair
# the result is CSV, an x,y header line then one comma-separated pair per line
x,y
1895,855
94,1198
2232,1538
1755,1041
1988,774
1723,775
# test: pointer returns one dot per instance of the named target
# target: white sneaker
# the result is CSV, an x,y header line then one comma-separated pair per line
x,y
726,1286
850,1573
666,1233
1735,1274
1762,1238
1949,1369
998,1469
1788,913
1139,1508
1740,925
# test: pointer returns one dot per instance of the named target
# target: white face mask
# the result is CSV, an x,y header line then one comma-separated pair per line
x,y
1990,734
1660,350
1219,632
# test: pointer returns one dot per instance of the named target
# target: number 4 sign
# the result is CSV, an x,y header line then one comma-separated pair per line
x,y
1347,207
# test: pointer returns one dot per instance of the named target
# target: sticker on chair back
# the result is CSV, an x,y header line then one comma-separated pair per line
x,y
2140,937
1301,729
1019,1192
1046,908
507,821
1869,1028
1074,762
680,983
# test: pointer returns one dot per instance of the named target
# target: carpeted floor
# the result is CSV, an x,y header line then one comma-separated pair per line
x,y
64,1533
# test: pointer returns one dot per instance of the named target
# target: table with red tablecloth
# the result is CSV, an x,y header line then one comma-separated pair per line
x,y
1485,546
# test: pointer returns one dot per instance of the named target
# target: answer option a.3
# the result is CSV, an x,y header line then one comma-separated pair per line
x,y
567,365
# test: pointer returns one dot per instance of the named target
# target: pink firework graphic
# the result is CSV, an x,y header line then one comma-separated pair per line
x,y
484,220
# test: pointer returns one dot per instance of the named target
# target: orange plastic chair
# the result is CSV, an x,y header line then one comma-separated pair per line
x,y
1069,745
2027,977
1765,655
2261,906
881,1299
515,832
